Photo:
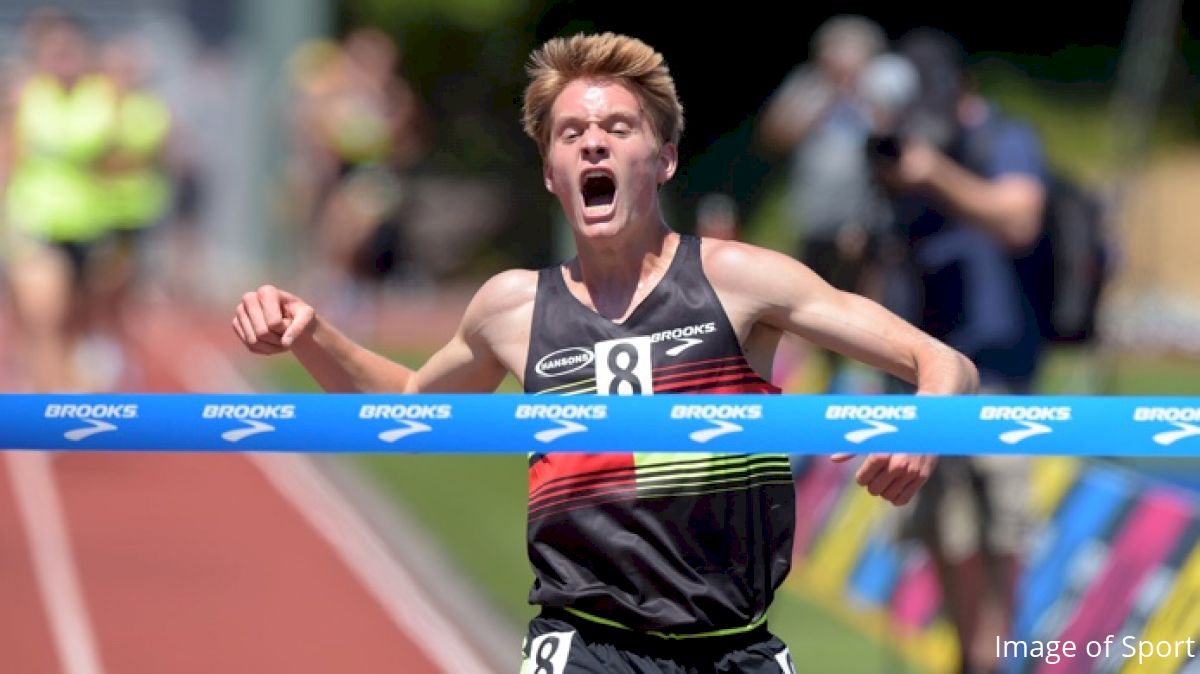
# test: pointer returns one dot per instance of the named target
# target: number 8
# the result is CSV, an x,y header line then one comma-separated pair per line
x,y
623,367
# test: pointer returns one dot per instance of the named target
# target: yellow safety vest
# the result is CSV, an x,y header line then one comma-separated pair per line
x,y
53,193
137,196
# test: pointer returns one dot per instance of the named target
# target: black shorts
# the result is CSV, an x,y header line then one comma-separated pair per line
x,y
560,643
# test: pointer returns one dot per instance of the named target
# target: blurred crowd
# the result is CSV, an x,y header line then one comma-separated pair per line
x,y
357,131
904,184
87,165
101,191
909,186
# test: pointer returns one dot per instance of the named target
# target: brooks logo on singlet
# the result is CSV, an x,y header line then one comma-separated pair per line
x,y
682,333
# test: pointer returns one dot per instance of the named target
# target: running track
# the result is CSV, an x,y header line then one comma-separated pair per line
x,y
160,563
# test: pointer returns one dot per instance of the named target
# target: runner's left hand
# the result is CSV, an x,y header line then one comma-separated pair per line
x,y
895,477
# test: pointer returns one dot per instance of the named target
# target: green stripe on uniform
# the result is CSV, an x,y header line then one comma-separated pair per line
x,y
664,635
572,387
656,466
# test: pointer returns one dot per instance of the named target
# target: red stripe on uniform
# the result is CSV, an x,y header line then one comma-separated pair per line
x,y
572,501
702,381
724,369
735,361
757,387
591,481
567,466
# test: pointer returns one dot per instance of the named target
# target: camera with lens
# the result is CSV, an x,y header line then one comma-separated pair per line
x,y
883,148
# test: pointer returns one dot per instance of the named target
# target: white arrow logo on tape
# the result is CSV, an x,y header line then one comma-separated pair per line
x,y
1031,429
410,428
1171,437
96,427
722,428
255,427
552,434
863,434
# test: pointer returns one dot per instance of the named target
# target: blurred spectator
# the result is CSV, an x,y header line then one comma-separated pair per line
x,y
717,216
135,187
61,124
819,119
359,129
138,190
968,195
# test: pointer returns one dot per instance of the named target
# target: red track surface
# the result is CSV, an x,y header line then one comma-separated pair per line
x,y
25,641
191,563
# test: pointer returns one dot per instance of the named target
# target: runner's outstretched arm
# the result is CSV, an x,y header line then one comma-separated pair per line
x,y
270,321
778,291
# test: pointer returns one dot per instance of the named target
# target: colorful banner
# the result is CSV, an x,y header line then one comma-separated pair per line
x,y
1114,567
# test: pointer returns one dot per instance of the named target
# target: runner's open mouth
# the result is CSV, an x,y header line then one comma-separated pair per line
x,y
598,190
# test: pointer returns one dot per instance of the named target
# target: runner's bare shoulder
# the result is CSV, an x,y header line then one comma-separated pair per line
x,y
507,295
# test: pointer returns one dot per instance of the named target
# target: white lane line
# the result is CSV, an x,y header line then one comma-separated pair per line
x,y
53,562
336,521
401,597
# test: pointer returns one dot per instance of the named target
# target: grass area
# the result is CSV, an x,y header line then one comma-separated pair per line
x,y
475,504
1068,370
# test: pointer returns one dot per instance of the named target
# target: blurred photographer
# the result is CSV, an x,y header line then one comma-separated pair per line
x,y
966,187
817,119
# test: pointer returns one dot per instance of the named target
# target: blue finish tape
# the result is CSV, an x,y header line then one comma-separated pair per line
x,y
504,423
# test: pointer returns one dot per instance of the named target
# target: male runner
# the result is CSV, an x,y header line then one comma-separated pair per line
x,y
643,562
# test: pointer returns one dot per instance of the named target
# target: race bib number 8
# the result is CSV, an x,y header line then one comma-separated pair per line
x,y
548,654
623,367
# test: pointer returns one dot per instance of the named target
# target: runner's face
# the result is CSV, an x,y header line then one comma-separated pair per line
x,y
603,161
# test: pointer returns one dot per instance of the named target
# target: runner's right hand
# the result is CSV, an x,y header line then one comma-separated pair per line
x,y
270,320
